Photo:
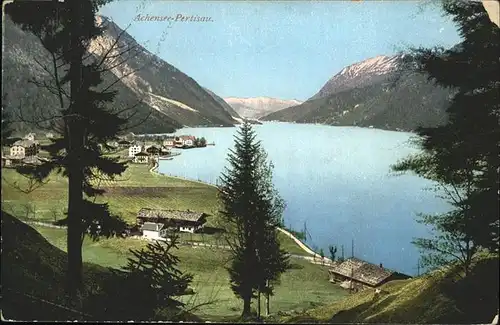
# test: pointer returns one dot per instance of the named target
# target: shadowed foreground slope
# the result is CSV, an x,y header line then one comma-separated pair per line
x,y
33,279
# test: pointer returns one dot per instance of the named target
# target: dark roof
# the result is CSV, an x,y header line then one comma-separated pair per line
x,y
152,226
362,271
170,214
142,153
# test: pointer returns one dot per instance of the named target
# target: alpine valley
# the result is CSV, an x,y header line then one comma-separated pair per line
x,y
377,92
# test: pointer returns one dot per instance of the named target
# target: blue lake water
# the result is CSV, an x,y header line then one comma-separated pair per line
x,y
337,180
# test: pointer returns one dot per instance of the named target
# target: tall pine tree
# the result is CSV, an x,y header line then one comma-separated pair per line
x,y
85,125
251,211
273,260
462,156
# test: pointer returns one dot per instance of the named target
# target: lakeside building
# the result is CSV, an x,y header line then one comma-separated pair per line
x,y
356,274
153,150
169,142
141,158
184,141
185,221
133,150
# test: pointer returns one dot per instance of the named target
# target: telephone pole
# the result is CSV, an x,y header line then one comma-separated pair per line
x,y
352,248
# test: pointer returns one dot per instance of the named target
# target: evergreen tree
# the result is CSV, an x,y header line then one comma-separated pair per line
x,y
462,156
150,281
251,211
273,261
84,125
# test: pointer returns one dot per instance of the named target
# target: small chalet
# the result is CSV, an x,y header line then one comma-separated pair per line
x,y
186,221
133,150
151,230
169,142
153,150
356,274
24,148
141,158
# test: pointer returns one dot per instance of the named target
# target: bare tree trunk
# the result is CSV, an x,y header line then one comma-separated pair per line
x,y
267,305
246,307
74,136
258,303
74,234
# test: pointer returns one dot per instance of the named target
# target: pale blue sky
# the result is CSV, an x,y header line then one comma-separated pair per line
x,y
285,49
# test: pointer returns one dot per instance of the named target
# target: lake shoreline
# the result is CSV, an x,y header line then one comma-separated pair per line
x,y
282,122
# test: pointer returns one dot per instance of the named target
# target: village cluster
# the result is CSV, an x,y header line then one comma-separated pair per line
x,y
144,152
27,149
22,151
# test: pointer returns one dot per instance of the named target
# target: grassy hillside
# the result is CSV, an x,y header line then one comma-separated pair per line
x,y
441,297
303,287
136,189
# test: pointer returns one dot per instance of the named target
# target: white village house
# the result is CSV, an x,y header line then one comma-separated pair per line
x,y
152,230
169,142
17,150
184,141
133,150
24,148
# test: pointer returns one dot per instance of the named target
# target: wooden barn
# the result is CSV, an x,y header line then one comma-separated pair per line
x,y
186,221
356,274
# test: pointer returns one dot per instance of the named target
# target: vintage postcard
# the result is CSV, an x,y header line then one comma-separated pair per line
x,y
251,161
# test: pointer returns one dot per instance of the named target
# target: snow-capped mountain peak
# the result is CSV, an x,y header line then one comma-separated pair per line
x,y
360,74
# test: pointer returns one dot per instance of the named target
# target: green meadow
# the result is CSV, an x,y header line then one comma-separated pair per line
x,y
304,286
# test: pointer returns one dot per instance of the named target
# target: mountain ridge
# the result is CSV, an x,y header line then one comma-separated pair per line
x,y
378,92
158,91
256,107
